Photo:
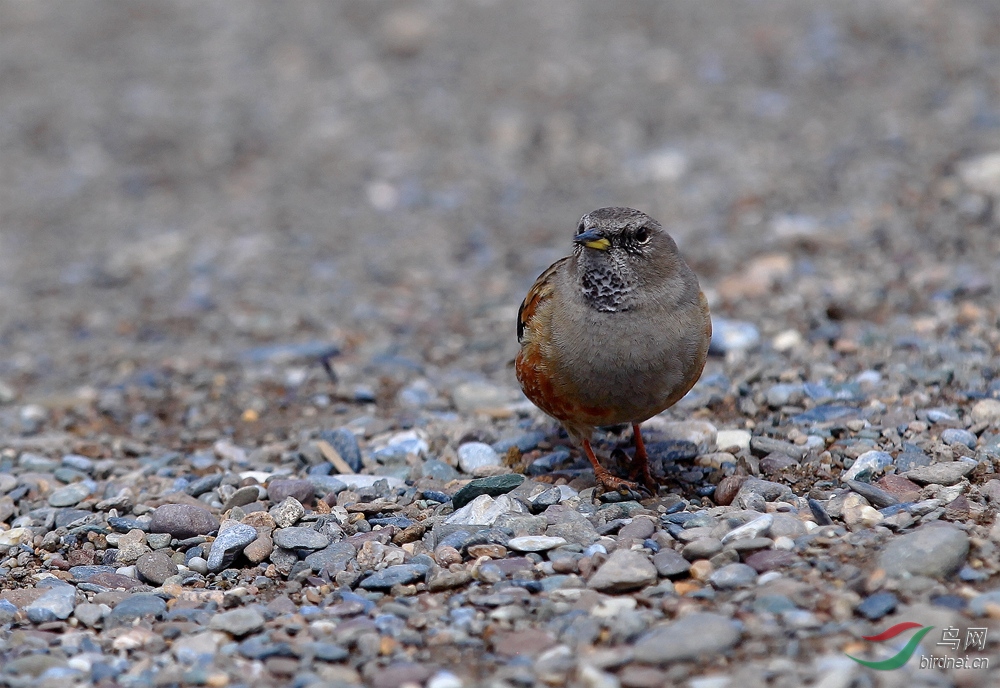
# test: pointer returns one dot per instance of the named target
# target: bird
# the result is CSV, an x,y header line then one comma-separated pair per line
x,y
613,334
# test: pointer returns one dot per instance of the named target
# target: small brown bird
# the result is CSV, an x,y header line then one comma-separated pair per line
x,y
613,334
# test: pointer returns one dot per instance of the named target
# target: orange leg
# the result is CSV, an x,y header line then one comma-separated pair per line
x,y
604,477
641,468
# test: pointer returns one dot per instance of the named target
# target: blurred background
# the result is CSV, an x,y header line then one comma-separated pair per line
x,y
200,182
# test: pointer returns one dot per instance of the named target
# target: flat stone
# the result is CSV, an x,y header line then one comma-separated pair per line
x,y
638,529
484,510
527,643
986,411
346,444
183,521
156,567
754,493
72,494
868,465
55,604
946,473
474,455
729,439
229,542
934,550
301,490
692,636
762,446
623,571
953,436
751,529
333,558
300,538
243,496
535,543
770,559
702,548
137,606
899,487
733,576
670,564
874,607
238,622
908,460
494,486
875,495
400,574
90,614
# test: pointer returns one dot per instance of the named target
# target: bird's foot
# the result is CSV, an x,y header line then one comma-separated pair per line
x,y
626,488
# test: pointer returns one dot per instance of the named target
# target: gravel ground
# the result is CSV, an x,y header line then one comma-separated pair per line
x,y
201,203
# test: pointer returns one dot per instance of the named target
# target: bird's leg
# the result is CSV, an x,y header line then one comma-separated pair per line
x,y
641,467
603,476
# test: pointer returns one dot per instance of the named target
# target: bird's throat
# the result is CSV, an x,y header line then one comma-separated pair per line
x,y
605,289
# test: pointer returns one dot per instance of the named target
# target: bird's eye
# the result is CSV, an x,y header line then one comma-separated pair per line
x,y
642,235
580,228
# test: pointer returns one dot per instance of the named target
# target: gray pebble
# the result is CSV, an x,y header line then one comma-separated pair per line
x,y
946,473
695,635
156,567
90,614
702,548
957,436
346,444
874,607
493,486
299,538
301,490
624,570
670,564
229,542
733,576
400,574
876,495
287,513
137,606
934,550
243,496
55,604
72,494
238,622
869,464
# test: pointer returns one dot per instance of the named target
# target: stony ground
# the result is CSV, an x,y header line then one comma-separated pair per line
x,y
259,266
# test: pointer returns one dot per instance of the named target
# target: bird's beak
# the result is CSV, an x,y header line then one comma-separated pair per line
x,y
592,239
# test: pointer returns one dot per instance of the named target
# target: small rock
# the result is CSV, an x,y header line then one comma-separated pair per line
x,y
752,529
300,490
754,493
934,550
183,521
131,546
484,510
956,436
288,513
299,538
72,494
875,495
238,622
902,489
623,571
729,440
55,604
535,543
137,606
90,614
156,567
400,574
946,473
346,444
874,607
493,486
868,465
776,463
670,564
243,496
474,455
733,576
702,548
697,634
229,542
770,559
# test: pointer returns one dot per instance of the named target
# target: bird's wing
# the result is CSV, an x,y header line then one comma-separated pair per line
x,y
537,295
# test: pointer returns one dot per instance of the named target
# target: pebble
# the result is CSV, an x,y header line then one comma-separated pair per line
x,y
875,495
670,564
399,574
55,604
874,607
300,490
733,440
702,548
986,411
493,486
131,546
156,567
183,521
299,538
346,444
535,543
238,622
868,465
934,550
287,513
623,571
958,436
733,576
947,473
137,606
476,455
72,494
751,529
228,543
695,635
